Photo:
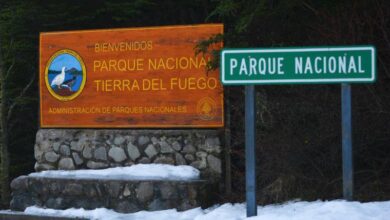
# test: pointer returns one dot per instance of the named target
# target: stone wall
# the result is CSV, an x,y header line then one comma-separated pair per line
x,y
121,195
69,149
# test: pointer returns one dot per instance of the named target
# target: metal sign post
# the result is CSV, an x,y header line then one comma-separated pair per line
x,y
306,65
250,150
346,126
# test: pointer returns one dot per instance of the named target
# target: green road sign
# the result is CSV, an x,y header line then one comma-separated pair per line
x,y
352,64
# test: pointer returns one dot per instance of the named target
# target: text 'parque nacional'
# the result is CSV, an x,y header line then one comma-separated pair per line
x,y
298,65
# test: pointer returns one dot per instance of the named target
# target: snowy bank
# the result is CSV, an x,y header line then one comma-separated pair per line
x,y
319,210
135,172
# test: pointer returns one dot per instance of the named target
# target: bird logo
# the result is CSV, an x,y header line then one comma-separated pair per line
x,y
59,79
65,75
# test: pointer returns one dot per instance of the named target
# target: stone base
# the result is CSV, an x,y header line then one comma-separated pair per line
x,y
121,195
72,149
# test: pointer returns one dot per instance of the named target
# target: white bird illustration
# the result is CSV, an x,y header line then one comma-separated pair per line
x,y
59,79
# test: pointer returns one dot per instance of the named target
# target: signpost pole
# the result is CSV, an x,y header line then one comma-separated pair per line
x,y
248,67
347,141
250,136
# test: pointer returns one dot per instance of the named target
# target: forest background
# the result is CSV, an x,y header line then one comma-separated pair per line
x,y
298,126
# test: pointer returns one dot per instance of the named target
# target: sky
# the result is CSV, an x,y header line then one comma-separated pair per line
x,y
66,60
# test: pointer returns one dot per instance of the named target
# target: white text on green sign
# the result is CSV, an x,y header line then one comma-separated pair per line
x,y
298,65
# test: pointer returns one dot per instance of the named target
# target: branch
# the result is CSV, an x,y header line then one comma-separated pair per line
x,y
22,93
11,44
310,7
9,69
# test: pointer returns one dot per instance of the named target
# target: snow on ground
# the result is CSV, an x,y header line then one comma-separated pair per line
x,y
318,210
135,172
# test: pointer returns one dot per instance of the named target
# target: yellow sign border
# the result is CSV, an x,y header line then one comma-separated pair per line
x,y
84,74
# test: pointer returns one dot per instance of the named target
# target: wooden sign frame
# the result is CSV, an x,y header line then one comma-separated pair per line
x,y
129,78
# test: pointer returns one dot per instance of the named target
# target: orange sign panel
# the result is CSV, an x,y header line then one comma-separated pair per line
x,y
136,77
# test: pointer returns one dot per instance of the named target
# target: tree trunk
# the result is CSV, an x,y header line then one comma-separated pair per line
x,y
4,157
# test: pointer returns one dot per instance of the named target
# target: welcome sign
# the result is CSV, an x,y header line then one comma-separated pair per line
x,y
136,77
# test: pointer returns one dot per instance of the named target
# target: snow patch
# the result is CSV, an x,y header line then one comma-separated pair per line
x,y
135,172
319,210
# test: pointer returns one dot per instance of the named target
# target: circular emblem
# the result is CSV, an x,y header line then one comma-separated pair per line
x,y
206,108
65,75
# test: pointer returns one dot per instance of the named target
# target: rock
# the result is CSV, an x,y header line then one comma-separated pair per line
x,y
202,155
51,157
73,145
90,191
21,202
189,157
185,205
87,152
77,146
130,139
202,162
108,142
192,192
150,151
133,151
126,191
113,189
73,189
144,160
115,164
144,191
117,154
64,150
38,154
179,159
213,141
143,140
126,207
66,164
39,137
96,165
129,163
189,149
83,203
119,140
211,149
199,164
212,145
55,203
214,163
43,166
44,146
176,146
77,159
55,134
100,153
40,148
168,191
19,183
165,147
154,140
56,147
156,205
164,160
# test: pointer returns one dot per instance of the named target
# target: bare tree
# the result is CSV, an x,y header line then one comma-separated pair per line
x,y
4,168
7,106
